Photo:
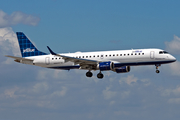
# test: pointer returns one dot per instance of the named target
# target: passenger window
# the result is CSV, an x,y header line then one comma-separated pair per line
x,y
98,56
120,54
109,55
106,55
117,54
94,56
131,53
135,54
86,56
139,53
52,58
142,53
128,54
124,54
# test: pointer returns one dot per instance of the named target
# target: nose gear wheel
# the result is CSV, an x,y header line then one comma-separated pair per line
x,y
157,66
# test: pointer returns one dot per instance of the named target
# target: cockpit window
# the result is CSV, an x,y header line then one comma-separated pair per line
x,y
163,52
160,52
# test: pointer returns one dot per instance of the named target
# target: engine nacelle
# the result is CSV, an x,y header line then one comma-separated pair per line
x,y
122,69
105,66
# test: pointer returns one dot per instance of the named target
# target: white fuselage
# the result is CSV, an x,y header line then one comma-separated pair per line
x,y
120,58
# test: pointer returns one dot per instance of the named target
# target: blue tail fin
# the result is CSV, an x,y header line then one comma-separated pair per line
x,y
26,47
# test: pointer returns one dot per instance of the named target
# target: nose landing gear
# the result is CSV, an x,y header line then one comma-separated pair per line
x,y
157,66
157,71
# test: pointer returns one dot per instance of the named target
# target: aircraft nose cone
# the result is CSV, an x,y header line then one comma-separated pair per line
x,y
173,58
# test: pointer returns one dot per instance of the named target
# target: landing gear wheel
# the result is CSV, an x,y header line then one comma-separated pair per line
x,y
157,71
100,75
89,74
157,66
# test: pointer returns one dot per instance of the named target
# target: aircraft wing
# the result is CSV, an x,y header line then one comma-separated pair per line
x,y
18,59
75,60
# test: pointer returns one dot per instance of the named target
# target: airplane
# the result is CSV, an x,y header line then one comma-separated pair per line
x,y
118,61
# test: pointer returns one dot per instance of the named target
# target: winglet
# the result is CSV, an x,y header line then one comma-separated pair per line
x,y
53,53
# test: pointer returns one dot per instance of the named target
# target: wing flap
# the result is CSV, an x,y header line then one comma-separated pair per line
x,y
73,59
79,60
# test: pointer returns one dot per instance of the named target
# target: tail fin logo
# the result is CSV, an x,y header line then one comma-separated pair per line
x,y
28,50
26,46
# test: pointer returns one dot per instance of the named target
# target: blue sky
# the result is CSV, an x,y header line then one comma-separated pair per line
x,y
28,92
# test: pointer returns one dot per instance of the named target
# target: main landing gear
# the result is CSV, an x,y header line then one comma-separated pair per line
x,y
99,75
89,74
157,66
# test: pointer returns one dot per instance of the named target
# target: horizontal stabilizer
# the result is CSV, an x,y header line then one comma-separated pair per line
x,y
18,59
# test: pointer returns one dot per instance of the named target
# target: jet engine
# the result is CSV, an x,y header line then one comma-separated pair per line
x,y
102,66
122,69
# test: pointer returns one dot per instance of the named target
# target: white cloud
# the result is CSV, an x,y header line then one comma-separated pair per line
x,y
42,74
125,94
40,94
175,68
60,93
8,41
17,18
121,113
130,79
8,44
46,74
61,74
173,95
40,87
10,92
174,100
174,45
45,103
108,94
168,92
112,102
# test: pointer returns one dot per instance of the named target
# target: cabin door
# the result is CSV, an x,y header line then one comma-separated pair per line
x,y
47,60
152,54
